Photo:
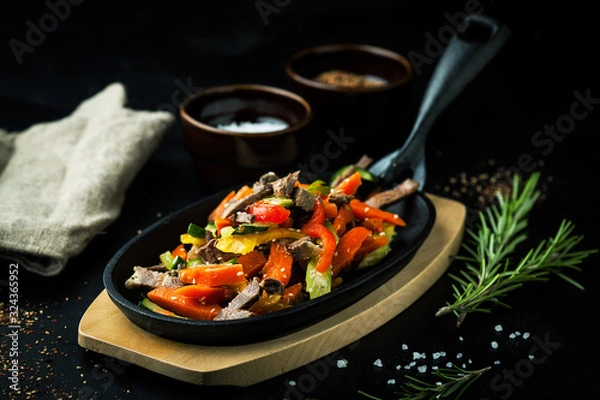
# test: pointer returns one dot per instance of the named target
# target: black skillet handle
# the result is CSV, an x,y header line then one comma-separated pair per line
x,y
465,56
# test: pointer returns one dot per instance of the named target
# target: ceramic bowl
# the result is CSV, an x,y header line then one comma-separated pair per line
x,y
362,91
235,133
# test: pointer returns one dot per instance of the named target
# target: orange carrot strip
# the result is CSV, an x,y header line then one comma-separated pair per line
x,y
350,184
185,306
342,219
371,243
292,293
375,225
252,263
330,209
218,211
362,211
205,294
347,247
214,275
279,264
180,251
243,192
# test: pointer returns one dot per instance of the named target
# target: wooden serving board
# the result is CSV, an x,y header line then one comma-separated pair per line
x,y
105,329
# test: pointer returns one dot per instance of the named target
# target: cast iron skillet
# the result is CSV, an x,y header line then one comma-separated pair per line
x,y
143,249
464,57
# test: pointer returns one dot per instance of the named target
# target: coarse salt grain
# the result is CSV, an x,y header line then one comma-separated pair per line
x,y
378,363
459,355
498,328
422,368
494,345
526,335
391,382
449,364
342,363
266,125
404,347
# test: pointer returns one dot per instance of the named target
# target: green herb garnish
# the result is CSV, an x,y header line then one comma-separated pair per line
x,y
491,271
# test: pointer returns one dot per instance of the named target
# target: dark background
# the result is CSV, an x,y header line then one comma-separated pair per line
x,y
152,47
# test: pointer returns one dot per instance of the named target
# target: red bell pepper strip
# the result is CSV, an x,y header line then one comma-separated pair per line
x,y
328,244
267,212
318,216
347,247
362,211
316,230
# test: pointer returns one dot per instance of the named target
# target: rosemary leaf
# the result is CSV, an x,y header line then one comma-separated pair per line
x,y
451,384
490,271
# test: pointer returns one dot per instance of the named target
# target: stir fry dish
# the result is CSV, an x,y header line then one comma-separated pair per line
x,y
272,245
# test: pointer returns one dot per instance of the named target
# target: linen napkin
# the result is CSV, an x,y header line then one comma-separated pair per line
x,y
64,181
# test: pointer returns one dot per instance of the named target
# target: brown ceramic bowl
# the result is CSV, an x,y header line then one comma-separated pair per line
x,y
374,119
224,151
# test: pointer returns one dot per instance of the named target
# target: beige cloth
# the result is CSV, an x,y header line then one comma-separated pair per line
x,y
63,182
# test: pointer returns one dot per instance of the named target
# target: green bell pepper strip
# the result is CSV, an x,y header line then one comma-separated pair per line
x,y
317,283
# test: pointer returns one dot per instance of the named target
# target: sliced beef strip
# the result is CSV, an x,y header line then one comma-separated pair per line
x,y
303,199
284,187
241,204
147,279
225,314
303,249
340,198
211,255
265,179
244,299
400,191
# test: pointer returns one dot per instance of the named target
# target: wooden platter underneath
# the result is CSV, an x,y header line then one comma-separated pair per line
x,y
105,329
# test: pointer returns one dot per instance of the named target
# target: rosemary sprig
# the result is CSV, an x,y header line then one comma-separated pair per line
x,y
490,273
452,382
